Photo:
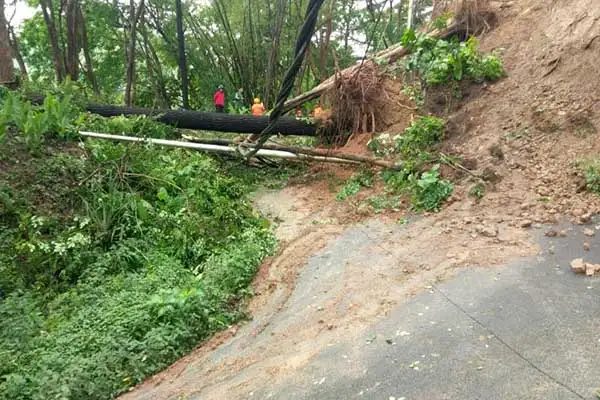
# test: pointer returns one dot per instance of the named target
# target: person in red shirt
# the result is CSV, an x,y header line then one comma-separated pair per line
x,y
219,99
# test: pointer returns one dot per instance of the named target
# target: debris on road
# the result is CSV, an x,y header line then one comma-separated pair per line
x,y
579,266
589,232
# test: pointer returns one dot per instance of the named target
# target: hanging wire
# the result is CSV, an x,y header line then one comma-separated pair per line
x,y
302,45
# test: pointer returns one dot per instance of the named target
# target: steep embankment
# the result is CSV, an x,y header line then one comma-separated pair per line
x,y
532,127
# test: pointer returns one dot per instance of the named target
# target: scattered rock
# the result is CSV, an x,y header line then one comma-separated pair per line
x,y
585,219
586,246
563,233
591,269
487,231
589,232
330,326
526,223
578,266
551,233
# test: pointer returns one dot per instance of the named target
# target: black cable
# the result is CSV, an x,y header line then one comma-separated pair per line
x,y
302,45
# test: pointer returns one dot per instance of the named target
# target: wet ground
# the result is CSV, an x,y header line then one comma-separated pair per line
x,y
419,310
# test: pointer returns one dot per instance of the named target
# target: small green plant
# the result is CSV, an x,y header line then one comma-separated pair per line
x,y
591,172
430,191
423,133
385,202
363,178
477,191
351,188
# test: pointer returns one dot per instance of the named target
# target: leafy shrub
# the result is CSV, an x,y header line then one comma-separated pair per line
x,y
423,133
139,126
430,191
437,61
118,260
35,123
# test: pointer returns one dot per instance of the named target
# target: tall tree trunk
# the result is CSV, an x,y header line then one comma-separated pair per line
x,y
7,69
155,71
279,15
182,58
14,44
72,62
89,66
48,15
411,14
130,77
326,31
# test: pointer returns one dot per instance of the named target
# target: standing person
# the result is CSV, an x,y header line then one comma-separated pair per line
x,y
258,107
219,99
317,111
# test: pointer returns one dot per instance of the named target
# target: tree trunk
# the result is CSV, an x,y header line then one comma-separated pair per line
x,y
47,13
210,121
279,15
411,14
72,63
7,69
130,75
155,71
14,44
389,56
89,69
182,58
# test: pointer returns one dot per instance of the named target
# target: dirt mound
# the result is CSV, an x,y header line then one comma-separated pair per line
x,y
531,127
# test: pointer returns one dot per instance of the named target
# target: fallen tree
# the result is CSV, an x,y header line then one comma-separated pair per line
x,y
386,56
297,150
206,121
211,148
470,17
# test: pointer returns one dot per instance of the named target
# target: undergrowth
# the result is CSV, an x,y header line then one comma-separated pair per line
x,y
590,169
363,178
417,174
115,260
445,61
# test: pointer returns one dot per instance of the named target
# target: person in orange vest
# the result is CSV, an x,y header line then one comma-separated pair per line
x,y
258,107
317,111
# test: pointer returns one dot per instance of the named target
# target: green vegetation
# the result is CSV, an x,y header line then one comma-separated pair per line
x,y
418,174
363,178
429,191
438,61
590,169
477,191
115,260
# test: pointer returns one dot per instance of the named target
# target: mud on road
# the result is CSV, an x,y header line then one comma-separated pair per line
x,y
330,282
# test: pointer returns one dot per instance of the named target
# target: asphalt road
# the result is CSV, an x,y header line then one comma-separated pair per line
x,y
528,330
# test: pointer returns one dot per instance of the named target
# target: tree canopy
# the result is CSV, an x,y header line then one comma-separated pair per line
x,y
130,52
